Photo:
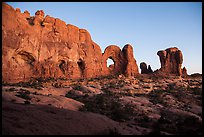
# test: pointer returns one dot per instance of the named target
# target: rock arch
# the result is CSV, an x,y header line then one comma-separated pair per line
x,y
69,54
113,52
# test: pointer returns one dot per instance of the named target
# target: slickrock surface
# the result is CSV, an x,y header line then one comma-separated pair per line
x,y
148,104
22,119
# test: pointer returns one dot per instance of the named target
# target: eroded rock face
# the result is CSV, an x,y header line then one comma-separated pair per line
x,y
131,67
171,61
43,46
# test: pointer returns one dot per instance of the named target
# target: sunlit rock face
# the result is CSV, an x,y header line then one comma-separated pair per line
x,y
171,61
131,68
43,46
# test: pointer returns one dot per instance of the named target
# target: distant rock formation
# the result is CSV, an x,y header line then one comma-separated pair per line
x,y
184,72
171,61
195,75
43,46
144,69
150,69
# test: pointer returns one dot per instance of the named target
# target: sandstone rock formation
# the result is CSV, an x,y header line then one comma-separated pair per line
x,y
131,68
43,46
113,52
144,69
171,61
124,61
184,72
150,69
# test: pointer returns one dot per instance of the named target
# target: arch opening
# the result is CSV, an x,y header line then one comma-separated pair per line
x,y
110,63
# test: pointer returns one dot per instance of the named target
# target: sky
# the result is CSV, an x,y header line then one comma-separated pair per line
x,y
147,26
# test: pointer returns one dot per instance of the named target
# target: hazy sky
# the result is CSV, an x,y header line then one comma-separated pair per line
x,y
147,26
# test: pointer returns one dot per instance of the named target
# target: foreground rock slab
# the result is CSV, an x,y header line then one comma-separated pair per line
x,y
21,119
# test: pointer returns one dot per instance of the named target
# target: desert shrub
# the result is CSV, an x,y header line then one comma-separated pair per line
x,y
91,79
77,87
24,94
63,79
10,89
113,85
71,94
108,92
171,86
121,112
26,102
196,91
108,105
95,104
127,93
74,83
155,96
32,84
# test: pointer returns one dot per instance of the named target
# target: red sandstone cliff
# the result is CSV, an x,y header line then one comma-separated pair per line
x,y
43,46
